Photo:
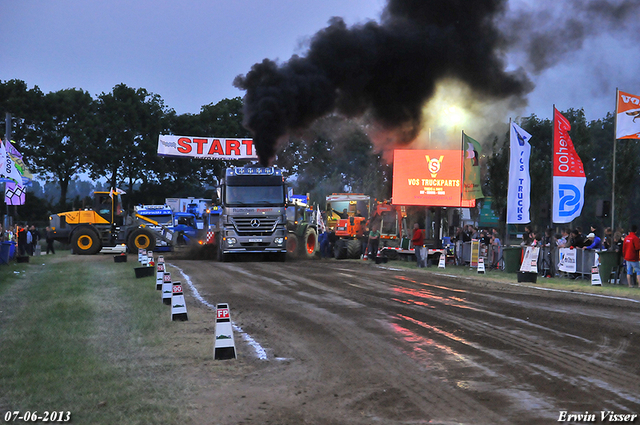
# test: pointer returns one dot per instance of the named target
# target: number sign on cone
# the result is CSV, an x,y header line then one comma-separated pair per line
x,y
166,288
178,304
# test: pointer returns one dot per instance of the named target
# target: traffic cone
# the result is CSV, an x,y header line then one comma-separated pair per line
x,y
442,261
159,276
178,304
481,265
224,346
166,288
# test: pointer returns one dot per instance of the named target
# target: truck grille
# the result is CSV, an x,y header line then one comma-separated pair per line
x,y
258,226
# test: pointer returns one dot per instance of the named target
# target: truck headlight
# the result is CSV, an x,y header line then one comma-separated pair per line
x,y
232,241
279,241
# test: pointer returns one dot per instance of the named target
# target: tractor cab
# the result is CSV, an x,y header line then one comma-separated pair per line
x,y
347,214
108,205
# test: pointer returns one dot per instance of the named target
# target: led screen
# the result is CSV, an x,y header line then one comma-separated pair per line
x,y
428,177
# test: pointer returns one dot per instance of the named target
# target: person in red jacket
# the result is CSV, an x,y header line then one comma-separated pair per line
x,y
417,240
630,250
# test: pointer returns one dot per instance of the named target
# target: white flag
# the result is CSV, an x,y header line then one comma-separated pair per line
x,y
519,191
8,168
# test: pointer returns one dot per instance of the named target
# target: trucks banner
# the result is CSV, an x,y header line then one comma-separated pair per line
x,y
205,147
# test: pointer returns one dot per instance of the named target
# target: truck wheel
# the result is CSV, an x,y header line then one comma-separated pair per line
x,y
86,242
292,245
353,248
340,249
141,239
310,246
222,257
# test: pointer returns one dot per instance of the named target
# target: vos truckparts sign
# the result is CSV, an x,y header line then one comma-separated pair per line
x,y
206,147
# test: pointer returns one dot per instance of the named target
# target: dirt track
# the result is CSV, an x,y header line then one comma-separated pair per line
x,y
351,342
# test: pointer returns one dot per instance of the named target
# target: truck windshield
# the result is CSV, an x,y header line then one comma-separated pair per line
x,y
255,195
164,219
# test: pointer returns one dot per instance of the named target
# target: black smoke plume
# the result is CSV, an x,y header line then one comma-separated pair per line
x,y
547,33
387,69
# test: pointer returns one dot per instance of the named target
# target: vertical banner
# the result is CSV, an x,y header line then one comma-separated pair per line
x,y
628,116
471,182
519,191
8,168
475,252
568,173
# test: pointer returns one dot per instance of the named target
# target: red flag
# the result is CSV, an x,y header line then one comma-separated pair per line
x,y
568,173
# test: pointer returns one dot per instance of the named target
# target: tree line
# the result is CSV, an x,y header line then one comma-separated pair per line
x,y
114,137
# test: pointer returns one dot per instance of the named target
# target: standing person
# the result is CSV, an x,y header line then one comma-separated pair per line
x,y
592,242
323,240
29,240
49,237
495,248
563,240
374,240
333,238
630,250
577,240
22,241
364,242
417,240
607,242
35,238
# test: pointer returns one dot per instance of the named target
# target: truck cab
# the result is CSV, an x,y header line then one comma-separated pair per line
x,y
253,218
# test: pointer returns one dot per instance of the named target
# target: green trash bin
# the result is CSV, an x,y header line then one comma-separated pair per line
x,y
608,260
512,255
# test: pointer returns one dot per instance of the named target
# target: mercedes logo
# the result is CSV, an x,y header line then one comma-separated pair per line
x,y
255,222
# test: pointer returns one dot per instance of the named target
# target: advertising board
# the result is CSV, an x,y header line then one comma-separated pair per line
x,y
428,177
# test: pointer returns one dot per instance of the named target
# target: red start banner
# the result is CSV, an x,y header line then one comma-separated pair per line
x,y
206,147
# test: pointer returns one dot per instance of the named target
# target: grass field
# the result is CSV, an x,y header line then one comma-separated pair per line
x,y
83,335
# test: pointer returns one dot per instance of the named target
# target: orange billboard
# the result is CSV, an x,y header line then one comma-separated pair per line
x,y
428,177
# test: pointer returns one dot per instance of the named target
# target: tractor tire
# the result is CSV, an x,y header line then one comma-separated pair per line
x,y
340,249
141,239
354,248
391,254
292,245
86,241
309,247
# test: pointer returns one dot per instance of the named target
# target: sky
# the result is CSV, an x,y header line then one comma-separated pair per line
x,y
190,52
